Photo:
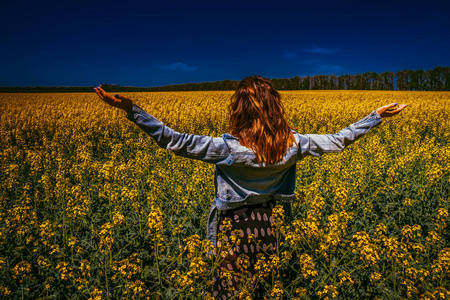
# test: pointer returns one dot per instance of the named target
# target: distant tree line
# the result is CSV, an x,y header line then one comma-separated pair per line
x,y
437,79
204,86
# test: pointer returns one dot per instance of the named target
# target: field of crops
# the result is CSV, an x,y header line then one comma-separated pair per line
x,y
91,208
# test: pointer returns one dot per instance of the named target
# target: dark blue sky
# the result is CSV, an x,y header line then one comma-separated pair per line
x,y
151,43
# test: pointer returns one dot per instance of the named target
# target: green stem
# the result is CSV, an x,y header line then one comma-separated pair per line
x,y
106,280
157,265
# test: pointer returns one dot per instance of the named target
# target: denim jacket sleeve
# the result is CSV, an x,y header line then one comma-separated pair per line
x,y
199,147
318,144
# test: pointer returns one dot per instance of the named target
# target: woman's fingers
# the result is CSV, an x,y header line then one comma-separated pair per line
x,y
104,96
97,91
390,105
101,93
389,110
118,96
399,108
384,108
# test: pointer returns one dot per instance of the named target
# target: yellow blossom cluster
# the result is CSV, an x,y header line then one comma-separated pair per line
x,y
307,266
21,269
106,236
277,290
96,294
411,232
366,248
127,267
155,219
328,291
64,270
345,278
441,267
137,288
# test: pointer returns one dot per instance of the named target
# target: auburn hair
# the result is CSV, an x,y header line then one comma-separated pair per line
x,y
257,119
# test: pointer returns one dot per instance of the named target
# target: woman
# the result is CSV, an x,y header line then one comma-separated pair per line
x,y
255,166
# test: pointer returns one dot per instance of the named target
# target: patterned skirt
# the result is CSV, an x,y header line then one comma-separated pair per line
x,y
244,237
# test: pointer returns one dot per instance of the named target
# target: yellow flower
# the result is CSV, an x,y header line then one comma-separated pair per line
x,y
367,249
307,266
54,249
72,241
21,269
118,219
441,266
375,276
128,267
340,199
137,287
85,267
329,290
193,244
197,267
278,215
345,278
411,232
277,290
96,294
5,290
301,291
155,219
106,235
64,270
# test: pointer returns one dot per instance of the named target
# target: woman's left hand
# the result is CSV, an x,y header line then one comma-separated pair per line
x,y
119,101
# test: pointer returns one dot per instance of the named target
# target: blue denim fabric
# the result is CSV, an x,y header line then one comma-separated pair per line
x,y
237,179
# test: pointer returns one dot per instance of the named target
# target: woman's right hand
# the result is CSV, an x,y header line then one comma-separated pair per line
x,y
388,111
119,101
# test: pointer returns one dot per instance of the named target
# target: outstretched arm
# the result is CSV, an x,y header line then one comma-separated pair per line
x,y
318,144
199,147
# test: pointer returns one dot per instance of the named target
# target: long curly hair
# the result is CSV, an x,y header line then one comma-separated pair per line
x,y
257,119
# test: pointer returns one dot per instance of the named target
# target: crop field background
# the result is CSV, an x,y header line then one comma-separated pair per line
x,y
92,208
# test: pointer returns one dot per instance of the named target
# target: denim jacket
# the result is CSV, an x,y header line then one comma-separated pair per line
x,y
238,180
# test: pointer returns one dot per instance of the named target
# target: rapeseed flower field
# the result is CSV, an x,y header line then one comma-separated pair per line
x,y
91,208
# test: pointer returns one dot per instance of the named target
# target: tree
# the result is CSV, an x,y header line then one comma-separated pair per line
x,y
306,83
333,83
